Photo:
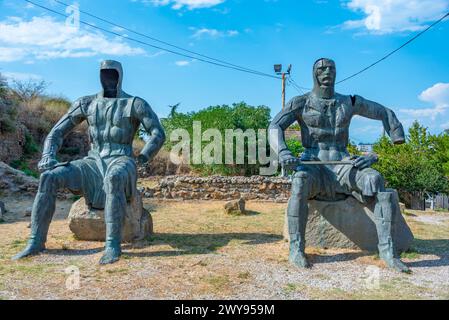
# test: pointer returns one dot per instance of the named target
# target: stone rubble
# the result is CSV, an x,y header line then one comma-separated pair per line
x,y
221,188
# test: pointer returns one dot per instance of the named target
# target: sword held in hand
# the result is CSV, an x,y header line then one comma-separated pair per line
x,y
318,163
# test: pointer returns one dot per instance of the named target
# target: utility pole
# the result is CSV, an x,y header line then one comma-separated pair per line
x,y
278,71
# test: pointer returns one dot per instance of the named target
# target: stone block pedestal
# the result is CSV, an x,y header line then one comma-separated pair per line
x,y
89,225
348,224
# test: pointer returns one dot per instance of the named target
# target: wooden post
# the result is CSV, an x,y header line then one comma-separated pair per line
x,y
283,91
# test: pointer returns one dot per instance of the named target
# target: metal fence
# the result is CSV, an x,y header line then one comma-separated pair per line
x,y
442,202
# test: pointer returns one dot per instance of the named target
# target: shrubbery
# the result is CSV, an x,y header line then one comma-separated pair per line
x,y
238,116
421,164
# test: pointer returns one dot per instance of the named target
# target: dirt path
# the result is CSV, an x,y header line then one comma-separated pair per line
x,y
198,252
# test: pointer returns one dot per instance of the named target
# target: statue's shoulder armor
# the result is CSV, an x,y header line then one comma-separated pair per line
x,y
355,99
141,106
297,103
82,104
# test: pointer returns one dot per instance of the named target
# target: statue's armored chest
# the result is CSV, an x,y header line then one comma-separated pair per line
x,y
110,112
327,113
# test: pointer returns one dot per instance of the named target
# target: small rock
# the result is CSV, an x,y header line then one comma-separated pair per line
x,y
235,207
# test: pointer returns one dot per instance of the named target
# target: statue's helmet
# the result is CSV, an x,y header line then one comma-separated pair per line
x,y
111,75
324,73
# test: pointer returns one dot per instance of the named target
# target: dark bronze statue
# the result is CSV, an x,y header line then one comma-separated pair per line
x,y
324,117
107,177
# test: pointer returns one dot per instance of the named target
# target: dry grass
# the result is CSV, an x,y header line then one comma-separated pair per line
x,y
199,252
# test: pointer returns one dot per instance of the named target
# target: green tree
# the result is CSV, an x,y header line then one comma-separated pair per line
x,y
222,117
415,165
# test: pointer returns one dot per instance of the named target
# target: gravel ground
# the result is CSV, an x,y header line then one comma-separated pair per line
x,y
207,255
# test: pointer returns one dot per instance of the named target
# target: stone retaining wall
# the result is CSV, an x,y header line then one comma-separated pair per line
x,y
220,188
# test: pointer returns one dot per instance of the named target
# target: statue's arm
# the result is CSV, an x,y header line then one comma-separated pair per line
x,y
152,126
55,138
281,122
376,111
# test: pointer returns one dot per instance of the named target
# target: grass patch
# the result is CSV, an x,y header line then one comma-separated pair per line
x,y
18,244
38,270
410,254
217,282
114,271
290,287
244,275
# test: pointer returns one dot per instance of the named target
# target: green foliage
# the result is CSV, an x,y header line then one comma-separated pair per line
x,y
30,147
23,166
414,166
441,143
294,146
224,117
352,149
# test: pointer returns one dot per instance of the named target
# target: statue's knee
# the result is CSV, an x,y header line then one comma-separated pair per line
x,y
373,183
48,182
300,184
114,183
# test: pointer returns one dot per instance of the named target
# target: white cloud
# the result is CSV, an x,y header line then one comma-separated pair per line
x,y
213,33
19,76
389,16
190,4
182,63
438,95
46,38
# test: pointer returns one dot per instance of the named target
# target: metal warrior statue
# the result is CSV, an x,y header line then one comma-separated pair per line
x,y
324,117
107,176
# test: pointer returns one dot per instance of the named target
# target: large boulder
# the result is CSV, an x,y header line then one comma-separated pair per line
x,y
348,224
89,224
15,181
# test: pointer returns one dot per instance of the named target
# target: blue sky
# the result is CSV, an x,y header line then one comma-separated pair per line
x,y
252,33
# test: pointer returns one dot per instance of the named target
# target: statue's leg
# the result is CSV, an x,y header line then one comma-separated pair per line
x,y
387,207
371,184
44,205
297,214
115,184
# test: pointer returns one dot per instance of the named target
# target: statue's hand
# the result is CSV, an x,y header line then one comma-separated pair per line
x,y
364,161
142,159
289,162
47,163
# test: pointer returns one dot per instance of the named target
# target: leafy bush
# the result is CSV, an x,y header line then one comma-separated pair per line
x,y
294,146
417,165
30,147
238,116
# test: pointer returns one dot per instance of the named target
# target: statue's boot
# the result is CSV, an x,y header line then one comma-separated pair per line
x,y
297,254
114,211
41,216
297,214
113,249
387,207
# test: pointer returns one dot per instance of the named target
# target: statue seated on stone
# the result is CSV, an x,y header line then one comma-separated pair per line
x,y
324,117
107,177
